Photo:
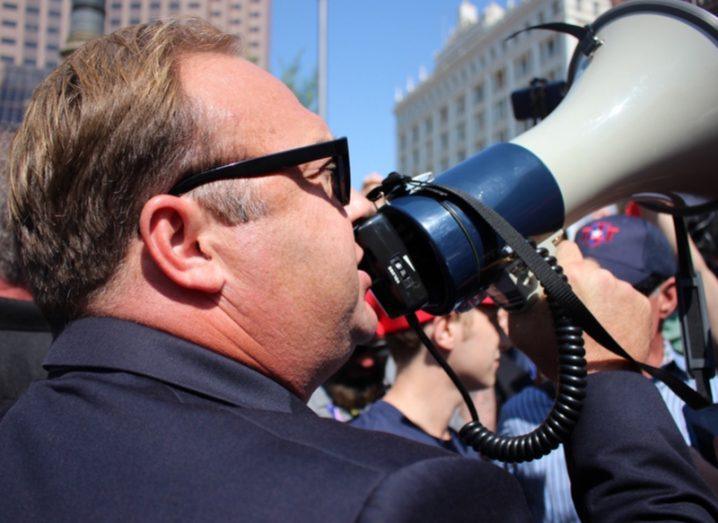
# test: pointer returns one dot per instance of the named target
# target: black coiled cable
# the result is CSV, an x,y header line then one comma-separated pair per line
x,y
563,416
565,412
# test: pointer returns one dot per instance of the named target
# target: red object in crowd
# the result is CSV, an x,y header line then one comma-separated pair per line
x,y
389,325
633,209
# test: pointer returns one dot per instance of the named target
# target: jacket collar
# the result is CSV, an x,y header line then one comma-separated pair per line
x,y
110,343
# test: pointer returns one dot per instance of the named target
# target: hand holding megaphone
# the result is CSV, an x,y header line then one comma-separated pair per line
x,y
623,311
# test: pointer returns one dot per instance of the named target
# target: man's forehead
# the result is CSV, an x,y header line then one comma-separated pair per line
x,y
248,103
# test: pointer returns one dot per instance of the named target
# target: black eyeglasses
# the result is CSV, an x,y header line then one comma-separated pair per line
x,y
337,150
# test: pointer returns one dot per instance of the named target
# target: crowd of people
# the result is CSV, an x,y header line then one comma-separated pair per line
x,y
184,228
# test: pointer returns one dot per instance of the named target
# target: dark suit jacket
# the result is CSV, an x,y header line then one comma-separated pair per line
x,y
24,340
628,462
135,424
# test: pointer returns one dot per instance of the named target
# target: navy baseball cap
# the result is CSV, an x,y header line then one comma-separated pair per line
x,y
630,248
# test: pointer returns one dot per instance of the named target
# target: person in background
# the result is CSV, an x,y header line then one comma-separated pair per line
x,y
358,384
24,334
422,400
636,252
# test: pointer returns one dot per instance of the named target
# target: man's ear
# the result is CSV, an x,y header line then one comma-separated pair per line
x,y
172,229
667,297
445,332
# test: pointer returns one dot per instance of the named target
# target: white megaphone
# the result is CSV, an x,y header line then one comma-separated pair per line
x,y
642,112
641,115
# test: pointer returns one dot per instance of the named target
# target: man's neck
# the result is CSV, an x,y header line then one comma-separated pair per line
x,y
427,397
14,292
657,351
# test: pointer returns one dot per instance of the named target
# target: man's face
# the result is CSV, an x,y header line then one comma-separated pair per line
x,y
476,356
292,282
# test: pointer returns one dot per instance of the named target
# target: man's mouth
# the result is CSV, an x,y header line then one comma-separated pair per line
x,y
364,279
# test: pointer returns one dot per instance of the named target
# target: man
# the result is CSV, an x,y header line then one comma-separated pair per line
x,y
176,390
636,252
24,333
422,400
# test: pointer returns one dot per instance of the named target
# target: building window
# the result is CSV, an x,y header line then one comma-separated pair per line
x,y
255,14
548,48
7,59
236,6
478,94
9,23
116,5
556,7
29,44
8,41
174,5
53,30
52,47
29,62
193,5
461,131
444,115
444,140
135,5
402,141
216,14
254,29
54,13
236,21
461,155
522,66
31,28
154,5
134,20
479,146
32,10
499,80
115,22
415,133
479,121
500,110
461,104
11,6
429,125
596,8
415,158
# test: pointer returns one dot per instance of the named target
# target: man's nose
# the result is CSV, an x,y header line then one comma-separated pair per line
x,y
359,207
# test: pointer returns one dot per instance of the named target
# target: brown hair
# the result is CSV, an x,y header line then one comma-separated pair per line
x,y
105,131
405,345
10,268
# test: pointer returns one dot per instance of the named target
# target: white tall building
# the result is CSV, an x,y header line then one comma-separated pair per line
x,y
464,105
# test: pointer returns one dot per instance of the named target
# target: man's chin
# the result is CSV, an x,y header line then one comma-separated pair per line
x,y
365,327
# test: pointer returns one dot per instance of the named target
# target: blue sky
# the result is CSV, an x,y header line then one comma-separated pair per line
x,y
374,46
